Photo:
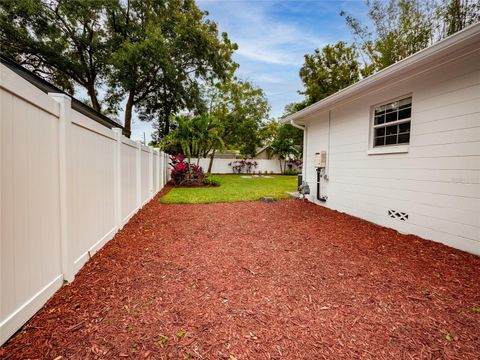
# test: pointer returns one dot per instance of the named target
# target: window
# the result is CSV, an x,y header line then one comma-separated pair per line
x,y
391,123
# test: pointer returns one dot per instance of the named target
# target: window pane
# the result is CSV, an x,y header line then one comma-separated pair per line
x,y
392,112
380,110
380,141
391,140
405,114
380,119
392,106
405,127
404,138
392,116
379,132
391,130
405,103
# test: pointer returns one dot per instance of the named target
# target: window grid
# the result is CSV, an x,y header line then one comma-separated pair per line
x,y
391,125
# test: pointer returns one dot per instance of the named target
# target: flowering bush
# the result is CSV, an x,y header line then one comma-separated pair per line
x,y
182,172
245,165
292,167
294,164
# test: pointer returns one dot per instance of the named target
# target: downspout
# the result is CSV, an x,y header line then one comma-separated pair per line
x,y
304,129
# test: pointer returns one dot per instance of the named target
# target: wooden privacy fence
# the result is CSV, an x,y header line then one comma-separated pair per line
x,y
68,184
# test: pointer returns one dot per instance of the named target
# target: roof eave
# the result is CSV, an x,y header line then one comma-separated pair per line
x,y
445,46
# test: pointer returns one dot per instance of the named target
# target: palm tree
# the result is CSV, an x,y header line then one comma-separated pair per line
x,y
283,148
195,135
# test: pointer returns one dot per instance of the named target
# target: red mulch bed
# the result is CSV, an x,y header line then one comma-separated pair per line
x,y
253,280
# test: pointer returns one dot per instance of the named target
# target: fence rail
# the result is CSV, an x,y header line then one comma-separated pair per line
x,y
68,184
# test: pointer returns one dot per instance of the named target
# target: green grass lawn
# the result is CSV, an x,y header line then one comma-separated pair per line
x,y
234,188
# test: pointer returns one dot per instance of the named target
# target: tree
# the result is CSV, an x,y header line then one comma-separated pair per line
x,y
166,49
328,70
66,42
404,27
194,136
149,54
456,15
273,131
283,147
240,108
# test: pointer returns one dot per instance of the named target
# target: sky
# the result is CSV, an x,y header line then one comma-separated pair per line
x,y
272,37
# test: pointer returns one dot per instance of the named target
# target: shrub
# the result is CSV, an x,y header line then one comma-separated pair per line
x,y
210,181
290,171
245,165
183,173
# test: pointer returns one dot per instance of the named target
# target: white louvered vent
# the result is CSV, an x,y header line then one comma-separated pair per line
x,y
399,215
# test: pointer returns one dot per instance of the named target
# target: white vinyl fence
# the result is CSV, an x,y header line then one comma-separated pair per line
x,y
220,166
68,184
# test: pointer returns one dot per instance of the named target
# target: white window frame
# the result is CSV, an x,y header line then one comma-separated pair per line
x,y
394,148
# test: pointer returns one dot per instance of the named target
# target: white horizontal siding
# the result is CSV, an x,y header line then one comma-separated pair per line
x,y
437,182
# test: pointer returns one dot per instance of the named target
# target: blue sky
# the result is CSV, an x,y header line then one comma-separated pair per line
x,y
273,36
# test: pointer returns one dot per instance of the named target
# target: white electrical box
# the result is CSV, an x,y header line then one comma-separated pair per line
x,y
320,160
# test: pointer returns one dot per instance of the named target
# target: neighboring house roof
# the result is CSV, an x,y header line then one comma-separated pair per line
x,y
458,44
47,87
262,149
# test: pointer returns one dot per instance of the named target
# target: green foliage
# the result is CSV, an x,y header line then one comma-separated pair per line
x,y
233,188
278,133
210,181
239,107
290,171
404,27
399,28
457,15
194,136
67,42
153,54
167,49
328,70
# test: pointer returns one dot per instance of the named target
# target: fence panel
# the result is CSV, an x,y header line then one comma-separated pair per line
x,y
221,166
90,190
145,173
30,241
128,179
67,184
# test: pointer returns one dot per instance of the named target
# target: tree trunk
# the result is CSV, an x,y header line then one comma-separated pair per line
x,y
128,114
166,128
281,171
212,156
93,97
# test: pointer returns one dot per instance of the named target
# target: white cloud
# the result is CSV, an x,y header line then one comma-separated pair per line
x,y
260,35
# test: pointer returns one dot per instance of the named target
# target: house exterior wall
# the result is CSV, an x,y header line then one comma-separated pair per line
x,y
437,182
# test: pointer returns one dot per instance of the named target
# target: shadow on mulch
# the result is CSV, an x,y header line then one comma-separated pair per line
x,y
255,280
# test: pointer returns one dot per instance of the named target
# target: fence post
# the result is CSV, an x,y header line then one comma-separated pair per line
x,y
150,172
117,180
65,121
139,174
158,172
167,172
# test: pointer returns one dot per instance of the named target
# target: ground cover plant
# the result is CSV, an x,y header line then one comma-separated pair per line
x,y
234,188
254,280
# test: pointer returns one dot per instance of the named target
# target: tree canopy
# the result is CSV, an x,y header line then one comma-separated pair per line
x,y
150,55
399,28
